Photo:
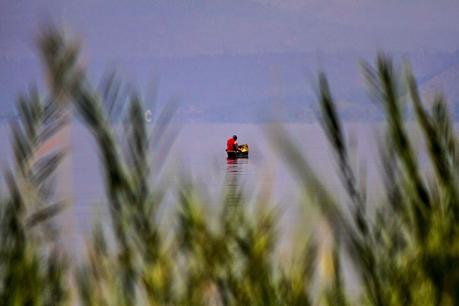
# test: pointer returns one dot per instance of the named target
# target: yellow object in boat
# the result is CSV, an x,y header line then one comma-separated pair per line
x,y
243,148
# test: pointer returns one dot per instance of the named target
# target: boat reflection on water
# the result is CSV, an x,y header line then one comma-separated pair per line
x,y
236,176
236,166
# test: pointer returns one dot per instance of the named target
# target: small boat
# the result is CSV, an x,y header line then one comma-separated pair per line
x,y
242,152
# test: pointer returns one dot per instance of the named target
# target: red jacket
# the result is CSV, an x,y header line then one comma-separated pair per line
x,y
230,144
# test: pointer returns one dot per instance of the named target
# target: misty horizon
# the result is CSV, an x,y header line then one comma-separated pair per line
x,y
233,60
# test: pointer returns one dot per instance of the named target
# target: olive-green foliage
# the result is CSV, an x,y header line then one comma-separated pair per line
x,y
405,250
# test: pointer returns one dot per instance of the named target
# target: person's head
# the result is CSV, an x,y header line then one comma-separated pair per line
x,y
234,137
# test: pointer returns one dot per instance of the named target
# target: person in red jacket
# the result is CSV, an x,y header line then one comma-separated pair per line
x,y
231,144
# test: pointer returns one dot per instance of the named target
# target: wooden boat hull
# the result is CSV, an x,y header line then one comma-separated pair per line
x,y
236,154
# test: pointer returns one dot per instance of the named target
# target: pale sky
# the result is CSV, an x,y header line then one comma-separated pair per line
x,y
171,28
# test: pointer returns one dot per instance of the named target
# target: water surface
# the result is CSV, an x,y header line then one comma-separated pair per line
x,y
199,152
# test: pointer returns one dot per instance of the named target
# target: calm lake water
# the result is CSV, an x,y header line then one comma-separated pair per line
x,y
199,152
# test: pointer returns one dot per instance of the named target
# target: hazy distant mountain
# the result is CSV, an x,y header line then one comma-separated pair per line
x,y
250,87
234,59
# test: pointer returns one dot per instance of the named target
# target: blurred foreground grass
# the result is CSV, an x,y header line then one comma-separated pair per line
x,y
405,251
